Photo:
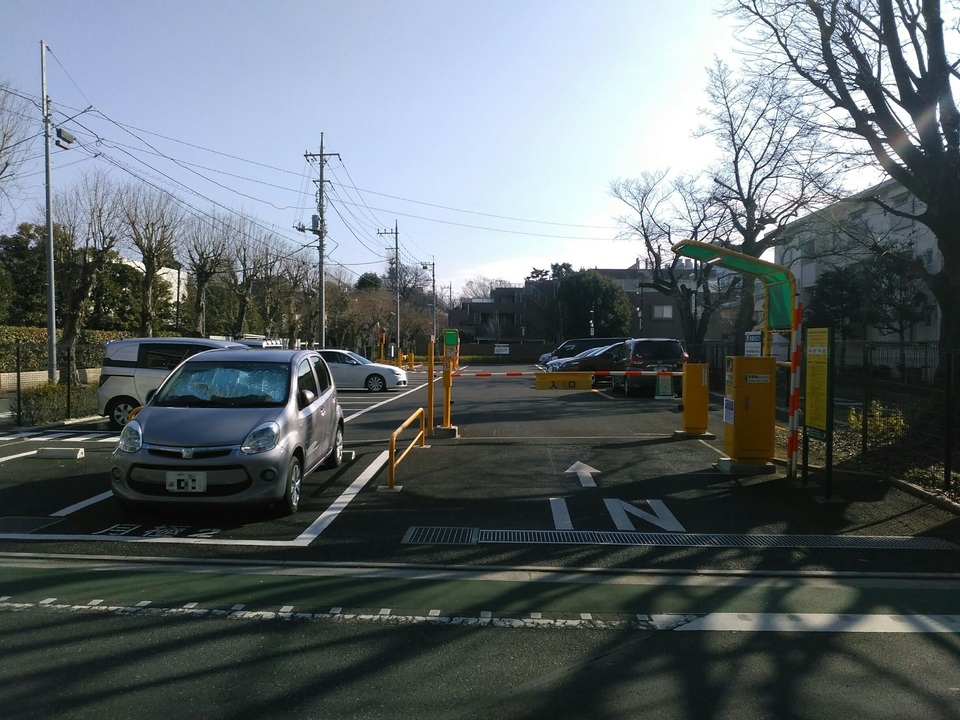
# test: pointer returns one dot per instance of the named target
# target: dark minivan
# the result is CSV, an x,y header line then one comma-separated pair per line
x,y
652,354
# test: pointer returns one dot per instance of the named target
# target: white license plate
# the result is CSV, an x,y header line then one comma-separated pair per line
x,y
187,482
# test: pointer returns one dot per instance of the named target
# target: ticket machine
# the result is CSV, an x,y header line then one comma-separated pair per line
x,y
749,409
451,347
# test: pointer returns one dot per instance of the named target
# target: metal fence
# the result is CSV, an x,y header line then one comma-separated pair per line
x,y
28,396
895,406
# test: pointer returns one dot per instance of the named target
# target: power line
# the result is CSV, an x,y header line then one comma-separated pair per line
x,y
352,185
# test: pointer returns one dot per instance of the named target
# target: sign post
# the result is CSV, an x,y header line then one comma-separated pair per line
x,y
818,397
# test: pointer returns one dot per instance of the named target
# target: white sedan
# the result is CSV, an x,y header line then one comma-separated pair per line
x,y
355,371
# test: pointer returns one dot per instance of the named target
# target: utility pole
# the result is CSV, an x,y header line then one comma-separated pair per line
x,y
51,290
319,228
433,275
396,276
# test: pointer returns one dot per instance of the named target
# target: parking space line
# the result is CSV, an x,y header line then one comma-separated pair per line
x,y
331,513
80,505
14,457
382,403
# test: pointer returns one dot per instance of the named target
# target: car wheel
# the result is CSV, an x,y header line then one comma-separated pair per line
x,y
336,455
376,383
118,411
291,498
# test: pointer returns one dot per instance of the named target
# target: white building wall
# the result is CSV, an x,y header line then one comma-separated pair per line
x,y
819,246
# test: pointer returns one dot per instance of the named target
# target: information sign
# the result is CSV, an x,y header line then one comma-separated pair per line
x,y
817,382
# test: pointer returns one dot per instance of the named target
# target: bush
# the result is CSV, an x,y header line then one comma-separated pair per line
x,y
884,427
48,403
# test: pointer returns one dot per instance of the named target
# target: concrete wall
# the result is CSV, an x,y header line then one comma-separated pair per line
x,y
37,378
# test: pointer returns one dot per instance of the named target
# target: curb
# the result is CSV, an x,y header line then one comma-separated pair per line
x,y
934,498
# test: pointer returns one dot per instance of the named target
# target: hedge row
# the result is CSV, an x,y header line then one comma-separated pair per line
x,y
31,344
48,404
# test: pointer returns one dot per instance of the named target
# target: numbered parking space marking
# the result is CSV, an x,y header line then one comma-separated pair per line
x,y
121,532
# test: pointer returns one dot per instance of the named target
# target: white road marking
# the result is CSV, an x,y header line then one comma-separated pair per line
x,y
80,505
14,457
382,403
822,622
340,504
561,516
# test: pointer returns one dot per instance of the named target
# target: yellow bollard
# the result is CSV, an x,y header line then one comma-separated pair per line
x,y
447,429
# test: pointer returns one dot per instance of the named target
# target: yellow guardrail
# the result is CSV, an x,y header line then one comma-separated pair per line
x,y
394,460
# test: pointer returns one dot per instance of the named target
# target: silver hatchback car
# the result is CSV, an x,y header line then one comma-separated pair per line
x,y
232,426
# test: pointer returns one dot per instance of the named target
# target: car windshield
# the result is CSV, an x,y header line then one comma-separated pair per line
x,y
359,358
220,384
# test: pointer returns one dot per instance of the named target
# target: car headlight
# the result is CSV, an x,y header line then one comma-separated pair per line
x,y
261,439
131,437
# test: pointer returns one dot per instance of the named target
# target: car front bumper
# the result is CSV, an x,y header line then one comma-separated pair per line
x,y
230,476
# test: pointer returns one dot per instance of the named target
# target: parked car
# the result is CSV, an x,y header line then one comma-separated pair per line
x,y
355,371
571,363
653,354
134,367
575,346
603,358
232,426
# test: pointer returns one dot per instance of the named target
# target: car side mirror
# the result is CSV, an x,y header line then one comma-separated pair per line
x,y
150,394
306,397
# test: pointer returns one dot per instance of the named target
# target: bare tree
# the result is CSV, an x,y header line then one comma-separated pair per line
x,y
412,279
247,254
775,165
481,286
666,211
879,72
91,217
15,137
296,300
271,285
154,219
205,243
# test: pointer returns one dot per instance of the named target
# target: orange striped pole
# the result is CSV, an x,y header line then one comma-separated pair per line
x,y
793,426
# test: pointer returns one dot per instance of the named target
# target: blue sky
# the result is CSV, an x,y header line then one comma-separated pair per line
x,y
489,131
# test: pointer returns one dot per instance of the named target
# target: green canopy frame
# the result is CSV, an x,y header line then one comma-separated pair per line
x,y
782,312
780,286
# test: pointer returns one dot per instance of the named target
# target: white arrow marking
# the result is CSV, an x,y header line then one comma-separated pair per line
x,y
584,473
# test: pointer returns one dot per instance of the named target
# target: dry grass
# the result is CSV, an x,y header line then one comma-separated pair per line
x,y
902,459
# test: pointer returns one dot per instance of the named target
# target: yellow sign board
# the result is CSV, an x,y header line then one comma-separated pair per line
x,y
563,380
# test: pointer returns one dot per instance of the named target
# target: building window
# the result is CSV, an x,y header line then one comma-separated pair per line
x,y
663,312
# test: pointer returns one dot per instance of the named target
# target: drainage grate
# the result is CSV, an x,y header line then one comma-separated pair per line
x,y
441,536
473,536
25,524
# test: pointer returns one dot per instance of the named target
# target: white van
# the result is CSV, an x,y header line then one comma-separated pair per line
x,y
134,367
